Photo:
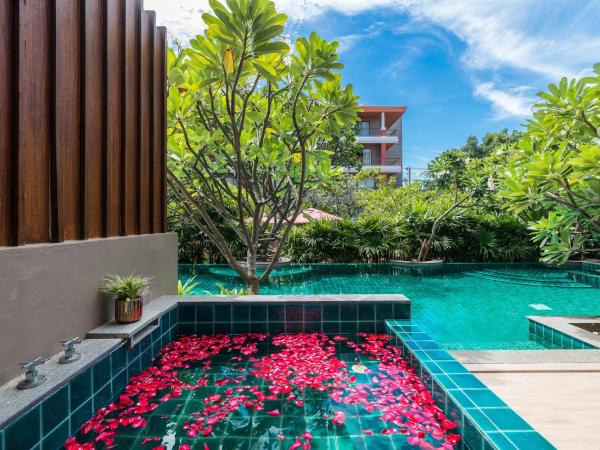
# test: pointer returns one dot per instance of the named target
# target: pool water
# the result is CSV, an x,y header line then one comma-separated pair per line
x,y
303,391
473,307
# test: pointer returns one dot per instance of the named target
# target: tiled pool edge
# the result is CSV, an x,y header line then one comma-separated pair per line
x,y
104,378
560,331
486,422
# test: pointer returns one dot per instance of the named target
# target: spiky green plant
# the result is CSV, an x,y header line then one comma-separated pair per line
x,y
188,287
125,287
225,291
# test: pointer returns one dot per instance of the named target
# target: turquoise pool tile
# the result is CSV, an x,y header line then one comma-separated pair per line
x,y
439,355
322,443
187,328
506,419
1,440
401,311
81,415
102,397
467,381
240,328
222,327
101,373
366,327
257,327
416,336
119,382
446,382
384,311
366,311
529,439
331,327
258,313
484,398
348,327
350,443
186,312
222,313
276,327
501,442
429,345
54,409
312,313
460,397
452,367
25,431
348,312
294,313
118,359
331,312
481,420
204,313
241,313
81,389
276,313
472,436
57,438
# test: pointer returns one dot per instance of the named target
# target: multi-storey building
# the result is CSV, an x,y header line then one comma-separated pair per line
x,y
380,133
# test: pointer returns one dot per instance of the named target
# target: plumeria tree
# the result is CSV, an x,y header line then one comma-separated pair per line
x,y
247,115
555,173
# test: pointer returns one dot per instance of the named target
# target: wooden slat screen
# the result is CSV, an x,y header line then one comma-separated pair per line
x,y
82,117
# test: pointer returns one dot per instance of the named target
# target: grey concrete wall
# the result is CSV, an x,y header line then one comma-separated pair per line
x,y
50,292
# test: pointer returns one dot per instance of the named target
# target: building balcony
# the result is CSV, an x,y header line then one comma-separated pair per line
x,y
377,136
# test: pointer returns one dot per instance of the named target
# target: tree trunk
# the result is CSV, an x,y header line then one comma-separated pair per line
x,y
253,286
424,251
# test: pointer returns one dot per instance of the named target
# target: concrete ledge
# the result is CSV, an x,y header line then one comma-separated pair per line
x,y
527,357
15,402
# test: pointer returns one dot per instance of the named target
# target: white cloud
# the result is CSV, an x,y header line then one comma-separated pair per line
x,y
506,103
538,40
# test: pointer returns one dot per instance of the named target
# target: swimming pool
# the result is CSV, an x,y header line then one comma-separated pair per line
x,y
468,307
255,391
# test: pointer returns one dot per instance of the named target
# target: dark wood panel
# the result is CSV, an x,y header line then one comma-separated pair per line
x,y
162,31
34,111
94,129
67,118
146,116
115,23
7,215
131,146
157,151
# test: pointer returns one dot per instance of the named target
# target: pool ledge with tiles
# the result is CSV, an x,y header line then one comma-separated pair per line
x,y
485,421
44,417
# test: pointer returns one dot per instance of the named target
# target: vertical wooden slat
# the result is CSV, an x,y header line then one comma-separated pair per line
x,y
67,118
146,115
94,136
115,22
7,41
132,73
162,32
157,156
34,130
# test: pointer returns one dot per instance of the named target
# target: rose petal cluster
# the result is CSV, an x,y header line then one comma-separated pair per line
x,y
299,363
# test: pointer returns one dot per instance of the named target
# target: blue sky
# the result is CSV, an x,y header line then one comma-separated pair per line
x,y
461,67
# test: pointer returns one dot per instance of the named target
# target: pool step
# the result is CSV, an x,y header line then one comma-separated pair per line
x,y
526,282
531,275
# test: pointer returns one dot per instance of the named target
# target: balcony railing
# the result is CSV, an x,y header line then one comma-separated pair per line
x,y
373,132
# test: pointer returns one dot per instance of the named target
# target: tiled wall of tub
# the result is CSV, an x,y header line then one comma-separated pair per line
x,y
47,425
485,421
330,317
552,338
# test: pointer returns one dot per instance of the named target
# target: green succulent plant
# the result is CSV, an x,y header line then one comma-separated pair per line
x,y
188,287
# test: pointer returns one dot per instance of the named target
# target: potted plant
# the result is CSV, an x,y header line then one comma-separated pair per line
x,y
129,304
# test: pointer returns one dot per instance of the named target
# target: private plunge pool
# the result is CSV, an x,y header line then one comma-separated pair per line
x,y
463,306
286,391
263,372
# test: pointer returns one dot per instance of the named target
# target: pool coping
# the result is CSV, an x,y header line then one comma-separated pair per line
x,y
560,327
153,310
485,419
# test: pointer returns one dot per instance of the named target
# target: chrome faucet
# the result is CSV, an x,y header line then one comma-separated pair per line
x,y
70,355
32,377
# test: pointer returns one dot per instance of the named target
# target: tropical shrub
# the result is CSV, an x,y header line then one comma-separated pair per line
x,y
554,175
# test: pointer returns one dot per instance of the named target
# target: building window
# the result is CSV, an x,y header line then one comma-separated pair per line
x,y
364,128
367,160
